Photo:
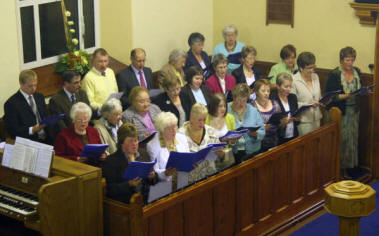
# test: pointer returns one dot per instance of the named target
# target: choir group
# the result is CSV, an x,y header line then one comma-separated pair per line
x,y
199,100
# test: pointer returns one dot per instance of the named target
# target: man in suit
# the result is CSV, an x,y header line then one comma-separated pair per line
x,y
62,102
134,75
25,109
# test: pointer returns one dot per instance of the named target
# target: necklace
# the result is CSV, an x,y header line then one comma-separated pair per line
x,y
240,114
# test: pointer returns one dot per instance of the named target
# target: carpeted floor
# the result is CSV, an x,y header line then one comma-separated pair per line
x,y
327,224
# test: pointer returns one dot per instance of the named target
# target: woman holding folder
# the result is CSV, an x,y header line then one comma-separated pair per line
x,y
346,78
267,108
306,86
163,143
70,142
288,103
246,116
199,135
114,168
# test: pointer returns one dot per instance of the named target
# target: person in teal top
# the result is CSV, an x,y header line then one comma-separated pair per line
x,y
230,46
288,63
246,115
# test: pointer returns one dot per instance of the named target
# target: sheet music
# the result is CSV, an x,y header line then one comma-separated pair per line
x,y
29,156
160,189
7,155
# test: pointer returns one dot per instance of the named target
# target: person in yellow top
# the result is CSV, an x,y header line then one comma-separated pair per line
x,y
100,81
174,67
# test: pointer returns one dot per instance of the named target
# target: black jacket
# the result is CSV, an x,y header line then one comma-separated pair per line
x,y
240,76
333,83
189,98
292,101
126,80
119,189
165,104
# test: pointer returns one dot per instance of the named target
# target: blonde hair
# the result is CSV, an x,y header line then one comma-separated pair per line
x,y
27,75
198,109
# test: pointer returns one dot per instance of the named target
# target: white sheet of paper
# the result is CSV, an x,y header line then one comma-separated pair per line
x,y
182,179
159,190
2,145
7,155
115,95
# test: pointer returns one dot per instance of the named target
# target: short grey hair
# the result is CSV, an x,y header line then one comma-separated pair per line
x,y
110,106
80,107
219,58
229,29
165,119
176,54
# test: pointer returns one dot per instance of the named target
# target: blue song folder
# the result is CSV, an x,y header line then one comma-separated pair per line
x,y
138,169
364,90
234,134
329,95
234,58
51,120
251,129
94,150
276,117
185,161
302,109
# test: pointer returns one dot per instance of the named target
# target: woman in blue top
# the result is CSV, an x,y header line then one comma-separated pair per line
x,y
230,46
246,115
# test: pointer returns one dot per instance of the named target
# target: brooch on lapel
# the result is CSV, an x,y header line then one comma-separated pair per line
x,y
168,102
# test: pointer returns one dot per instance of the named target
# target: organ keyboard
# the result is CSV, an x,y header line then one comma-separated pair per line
x,y
67,203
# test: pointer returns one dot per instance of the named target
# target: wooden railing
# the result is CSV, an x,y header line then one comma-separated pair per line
x,y
249,199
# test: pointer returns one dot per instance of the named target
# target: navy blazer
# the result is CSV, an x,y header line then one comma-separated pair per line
x,y
292,101
19,116
165,104
126,80
192,61
240,76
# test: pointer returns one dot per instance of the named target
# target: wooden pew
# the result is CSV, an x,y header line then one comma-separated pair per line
x,y
249,199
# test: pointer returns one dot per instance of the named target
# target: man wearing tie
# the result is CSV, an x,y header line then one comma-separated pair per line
x,y
62,102
134,75
100,81
24,110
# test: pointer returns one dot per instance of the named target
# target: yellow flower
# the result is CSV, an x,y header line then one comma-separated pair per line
x,y
68,14
75,41
84,60
70,22
72,30
76,53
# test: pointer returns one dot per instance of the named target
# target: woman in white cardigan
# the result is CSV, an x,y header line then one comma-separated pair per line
x,y
306,86
166,140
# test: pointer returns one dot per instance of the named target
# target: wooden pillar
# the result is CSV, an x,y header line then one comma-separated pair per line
x,y
374,134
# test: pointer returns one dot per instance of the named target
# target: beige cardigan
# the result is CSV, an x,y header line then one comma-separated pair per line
x,y
105,136
305,96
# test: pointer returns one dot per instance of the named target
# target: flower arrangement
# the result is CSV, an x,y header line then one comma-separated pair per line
x,y
76,60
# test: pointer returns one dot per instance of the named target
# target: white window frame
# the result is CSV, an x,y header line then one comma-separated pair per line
x,y
50,60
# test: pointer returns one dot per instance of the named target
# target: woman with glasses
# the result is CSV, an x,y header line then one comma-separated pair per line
x,y
306,86
195,91
141,113
109,123
71,141
196,56
247,73
171,99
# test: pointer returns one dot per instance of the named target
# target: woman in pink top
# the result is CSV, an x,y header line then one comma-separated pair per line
x,y
220,81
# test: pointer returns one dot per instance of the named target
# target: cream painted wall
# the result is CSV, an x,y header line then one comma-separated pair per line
x,y
9,58
116,28
160,26
322,27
